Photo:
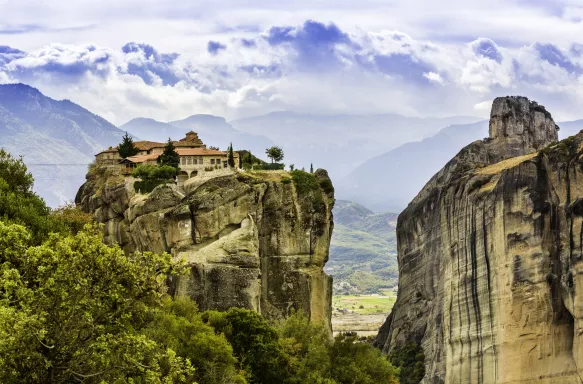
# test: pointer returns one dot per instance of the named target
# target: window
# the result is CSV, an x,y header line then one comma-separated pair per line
x,y
183,160
189,160
225,164
195,161
201,160
212,161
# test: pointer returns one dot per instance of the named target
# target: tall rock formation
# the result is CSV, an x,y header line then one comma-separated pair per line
x,y
491,258
256,241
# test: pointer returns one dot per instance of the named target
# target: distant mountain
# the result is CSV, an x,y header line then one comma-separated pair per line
x,y
152,130
340,143
213,130
57,139
363,251
390,181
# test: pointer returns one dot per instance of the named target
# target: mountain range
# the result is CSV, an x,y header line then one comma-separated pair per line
x,y
340,143
372,160
212,130
57,139
389,181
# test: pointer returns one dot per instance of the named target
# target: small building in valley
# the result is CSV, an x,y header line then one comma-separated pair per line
x,y
195,158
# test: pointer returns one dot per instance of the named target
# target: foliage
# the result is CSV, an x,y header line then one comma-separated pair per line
x,y
15,173
275,153
231,159
292,167
151,176
305,182
127,147
70,309
311,168
170,157
72,217
255,343
410,360
359,363
180,327
270,167
19,204
249,161
307,346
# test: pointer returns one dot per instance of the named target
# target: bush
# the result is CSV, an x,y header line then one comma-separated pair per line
x,y
410,360
151,176
270,167
255,343
305,182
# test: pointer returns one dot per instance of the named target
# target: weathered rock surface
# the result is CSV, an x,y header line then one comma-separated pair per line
x,y
491,258
257,242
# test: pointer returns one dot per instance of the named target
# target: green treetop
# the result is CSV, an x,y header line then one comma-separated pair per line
x,y
275,153
231,156
169,157
127,147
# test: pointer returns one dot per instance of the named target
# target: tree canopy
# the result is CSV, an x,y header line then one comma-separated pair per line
x,y
170,157
127,147
275,153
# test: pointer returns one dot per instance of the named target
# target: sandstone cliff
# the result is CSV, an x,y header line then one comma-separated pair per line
x,y
491,258
257,241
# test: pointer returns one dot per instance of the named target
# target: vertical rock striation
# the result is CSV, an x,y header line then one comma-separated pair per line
x,y
255,241
491,258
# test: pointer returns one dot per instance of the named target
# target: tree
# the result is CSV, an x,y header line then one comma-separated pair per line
x,y
275,153
231,156
255,343
170,157
292,167
71,310
19,204
179,326
311,168
250,159
127,147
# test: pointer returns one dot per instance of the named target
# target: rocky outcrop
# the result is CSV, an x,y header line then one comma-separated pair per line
x,y
491,258
257,241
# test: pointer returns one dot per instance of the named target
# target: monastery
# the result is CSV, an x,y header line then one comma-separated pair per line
x,y
195,158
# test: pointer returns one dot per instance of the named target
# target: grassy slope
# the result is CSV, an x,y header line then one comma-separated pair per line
x,y
363,257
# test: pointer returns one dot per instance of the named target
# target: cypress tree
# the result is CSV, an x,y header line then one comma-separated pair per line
x,y
169,156
231,157
311,168
127,147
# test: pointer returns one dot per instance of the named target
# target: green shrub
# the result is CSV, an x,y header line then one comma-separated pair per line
x,y
305,182
286,180
410,360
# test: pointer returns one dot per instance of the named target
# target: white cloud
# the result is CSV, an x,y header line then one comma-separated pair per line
x,y
426,63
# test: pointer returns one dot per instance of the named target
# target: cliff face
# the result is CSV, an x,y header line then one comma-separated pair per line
x,y
257,241
491,258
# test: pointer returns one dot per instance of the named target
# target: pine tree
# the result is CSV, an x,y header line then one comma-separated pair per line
x,y
231,157
127,147
250,159
169,156
311,168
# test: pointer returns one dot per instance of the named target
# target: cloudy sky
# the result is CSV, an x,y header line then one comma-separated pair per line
x,y
169,59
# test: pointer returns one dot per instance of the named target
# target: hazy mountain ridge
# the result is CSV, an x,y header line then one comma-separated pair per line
x,y
340,143
213,131
389,181
57,139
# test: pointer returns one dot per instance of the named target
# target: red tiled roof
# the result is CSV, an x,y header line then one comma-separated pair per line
x,y
142,158
199,152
